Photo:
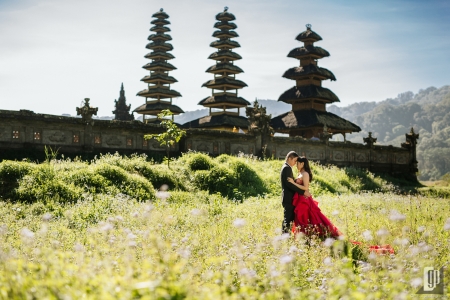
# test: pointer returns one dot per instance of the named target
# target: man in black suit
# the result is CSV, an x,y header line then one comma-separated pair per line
x,y
288,190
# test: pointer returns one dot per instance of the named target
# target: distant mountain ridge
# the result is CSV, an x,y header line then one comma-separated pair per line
x,y
428,112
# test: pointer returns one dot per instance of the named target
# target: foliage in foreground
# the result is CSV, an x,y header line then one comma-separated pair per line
x,y
202,246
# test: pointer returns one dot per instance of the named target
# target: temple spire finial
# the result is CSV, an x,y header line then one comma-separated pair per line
x,y
225,8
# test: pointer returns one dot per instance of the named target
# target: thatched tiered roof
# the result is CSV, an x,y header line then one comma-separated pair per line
x,y
308,70
156,108
308,97
308,35
158,80
227,82
303,119
308,50
224,99
218,121
225,86
296,93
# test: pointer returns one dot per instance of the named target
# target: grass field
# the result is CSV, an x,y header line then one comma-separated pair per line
x,y
100,230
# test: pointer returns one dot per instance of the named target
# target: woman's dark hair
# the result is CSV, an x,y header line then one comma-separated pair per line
x,y
303,159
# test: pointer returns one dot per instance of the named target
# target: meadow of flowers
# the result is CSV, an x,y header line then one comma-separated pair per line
x,y
105,229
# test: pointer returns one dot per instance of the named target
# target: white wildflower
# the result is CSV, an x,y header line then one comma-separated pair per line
x,y
329,242
239,223
131,236
148,207
293,249
372,256
184,253
327,261
285,259
151,285
274,273
78,247
416,282
247,272
447,224
335,213
396,216
421,229
367,235
46,217
196,212
414,250
3,229
402,242
106,226
383,232
27,233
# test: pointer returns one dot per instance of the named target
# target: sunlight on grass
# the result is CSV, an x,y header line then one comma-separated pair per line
x,y
117,240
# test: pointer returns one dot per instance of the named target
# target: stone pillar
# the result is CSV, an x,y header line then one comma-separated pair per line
x,y
86,113
370,141
410,144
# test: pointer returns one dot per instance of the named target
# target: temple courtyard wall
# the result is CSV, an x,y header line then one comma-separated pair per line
x,y
26,134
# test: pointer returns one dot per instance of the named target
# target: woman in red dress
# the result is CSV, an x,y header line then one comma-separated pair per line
x,y
308,218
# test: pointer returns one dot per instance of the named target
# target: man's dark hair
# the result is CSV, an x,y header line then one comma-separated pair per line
x,y
291,154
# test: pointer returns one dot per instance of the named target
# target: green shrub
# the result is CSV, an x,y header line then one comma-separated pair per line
x,y
200,161
160,175
247,180
10,174
218,180
116,180
39,185
223,158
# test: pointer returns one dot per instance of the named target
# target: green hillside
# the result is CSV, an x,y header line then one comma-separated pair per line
x,y
428,112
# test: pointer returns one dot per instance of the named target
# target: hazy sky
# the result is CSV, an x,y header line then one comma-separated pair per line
x,y
55,53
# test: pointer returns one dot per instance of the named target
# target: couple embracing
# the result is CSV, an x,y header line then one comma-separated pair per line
x,y
301,211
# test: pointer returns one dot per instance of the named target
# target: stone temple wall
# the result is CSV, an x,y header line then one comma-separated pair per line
x,y
27,132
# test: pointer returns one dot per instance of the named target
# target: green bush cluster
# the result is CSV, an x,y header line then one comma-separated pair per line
x,y
200,161
157,174
137,177
10,174
232,177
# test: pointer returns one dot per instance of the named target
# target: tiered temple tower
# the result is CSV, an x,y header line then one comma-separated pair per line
x,y
122,111
224,103
308,117
158,95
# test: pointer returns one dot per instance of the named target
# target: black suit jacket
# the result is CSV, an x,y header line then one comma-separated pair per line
x,y
288,189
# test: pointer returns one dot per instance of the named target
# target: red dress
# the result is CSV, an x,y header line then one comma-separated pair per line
x,y
309,219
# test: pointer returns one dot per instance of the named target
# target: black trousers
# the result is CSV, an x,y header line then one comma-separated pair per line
x,y
289,216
